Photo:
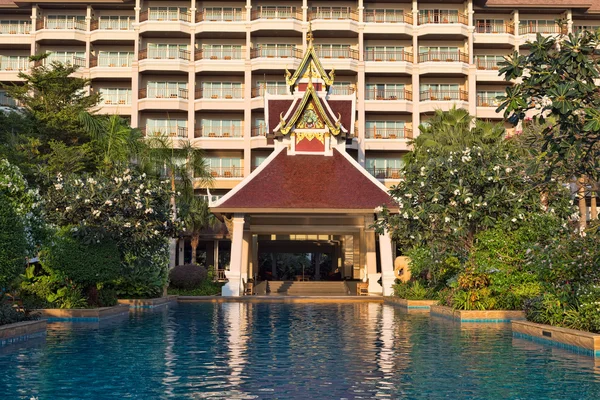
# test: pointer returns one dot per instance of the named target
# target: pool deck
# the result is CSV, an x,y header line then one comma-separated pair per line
x,y
274,298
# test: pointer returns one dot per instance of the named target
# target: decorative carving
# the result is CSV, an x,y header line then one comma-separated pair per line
x,y
310,119
310,136
228,224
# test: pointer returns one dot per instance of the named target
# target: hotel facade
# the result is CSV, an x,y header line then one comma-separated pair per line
x,y
202,70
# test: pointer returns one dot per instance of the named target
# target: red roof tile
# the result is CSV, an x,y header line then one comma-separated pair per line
x,y
308,182
343,108
277,107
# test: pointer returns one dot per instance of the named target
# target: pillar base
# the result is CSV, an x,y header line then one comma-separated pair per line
x,y
374,286
232,287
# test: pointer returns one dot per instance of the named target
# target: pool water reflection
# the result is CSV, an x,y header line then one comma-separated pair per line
x,y
291,351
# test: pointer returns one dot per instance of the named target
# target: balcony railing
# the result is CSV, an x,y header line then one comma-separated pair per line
x,y
162,93
438,95
487,64
259,91
333,13
221,15
233,131
525,29
174,131
387,16
7,101
447,56
260,130
227,172
388,55
219,54
116,99
112,24
385,173
164,54
67,59
388,133
341,90
15,28
68,23
279,52
483,27
277,13
223,93
165,15
436,17
388,94
110,61
487,101
18,64
343,53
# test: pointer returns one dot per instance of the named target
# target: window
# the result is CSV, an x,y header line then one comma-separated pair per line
x,y
115,58
14,63
439,91
112,96
384,15
115,22
488,98
171,127
167,90
385,167
226,167
271,87
259,128
15,27
66,22
222,90
437,16
490,26
276,12
223,14
538,26
67,57
259,160
276,50
384,53
167,13
221,128
333,50
341,87
384,91
222,51
488,61
384,129
7,101
167,50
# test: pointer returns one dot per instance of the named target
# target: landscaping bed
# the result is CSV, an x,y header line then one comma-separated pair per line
x,y
21,331
84,314
477,315
411,305
571,339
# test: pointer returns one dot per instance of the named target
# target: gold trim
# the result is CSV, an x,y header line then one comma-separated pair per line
x,y
312,56
310,136
285,127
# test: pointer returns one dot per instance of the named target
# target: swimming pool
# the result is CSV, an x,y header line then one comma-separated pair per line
x,y
291,351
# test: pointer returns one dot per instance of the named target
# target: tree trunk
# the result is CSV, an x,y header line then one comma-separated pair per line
x,y
582,204
195,240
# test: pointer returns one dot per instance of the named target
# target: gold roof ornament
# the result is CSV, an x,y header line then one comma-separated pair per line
x,y
310,60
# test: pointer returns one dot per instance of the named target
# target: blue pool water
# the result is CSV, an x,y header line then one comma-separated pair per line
x,y
287,351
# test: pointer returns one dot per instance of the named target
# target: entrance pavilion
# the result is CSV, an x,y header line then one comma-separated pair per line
x,y
309,195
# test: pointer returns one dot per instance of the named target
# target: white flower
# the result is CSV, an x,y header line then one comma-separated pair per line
x,y
125,191
400,204
155,232
514,220
91,181
142,186
408,195
456,192
108,203
490,178
86,201
148,191
467,200
447,219
148,211
422,184
378,209
405,215
58,186
77,197
68,208
96,213
127,225
127,178
144,175
422,173
435,200
520,216
508,170
416,217
138,205
453,203
496,168
484,203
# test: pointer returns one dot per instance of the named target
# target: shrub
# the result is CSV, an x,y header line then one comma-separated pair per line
x,y
412,290
187,276
50,289
206,288
12,244
9,314
87,264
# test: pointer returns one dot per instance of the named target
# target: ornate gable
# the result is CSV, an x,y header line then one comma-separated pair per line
x,y
309,66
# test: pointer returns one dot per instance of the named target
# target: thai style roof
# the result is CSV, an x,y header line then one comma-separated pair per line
x,y
307,183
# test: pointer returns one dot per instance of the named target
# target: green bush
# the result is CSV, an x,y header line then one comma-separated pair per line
x,y
50,289
206,288
188,276
9,314
87,264
412,290
12,244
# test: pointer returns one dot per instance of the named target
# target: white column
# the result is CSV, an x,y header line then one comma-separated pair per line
x,y
234,275
372,274
246,249
387,263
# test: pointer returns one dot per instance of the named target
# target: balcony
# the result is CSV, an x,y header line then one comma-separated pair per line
x,y
233,131
165,15
388,56
227,172
223,93
219,54
444,95
112,24
111,100
259,91
388,133
333,13
387,17
219,99
326,52
63,59
385,173
380,61
449,62
258,131
15,27
72,23
341,90
436,17
160,93
111,62
279,52
445,56
164,54
444,23
276,13
6,101
495,28
174,131
388,94
221,15
527,29
388,100
487,101
15,64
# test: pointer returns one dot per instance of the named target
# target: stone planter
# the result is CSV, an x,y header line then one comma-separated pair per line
x,y
22,331
410,305
570,339
477,316
84,314
149,303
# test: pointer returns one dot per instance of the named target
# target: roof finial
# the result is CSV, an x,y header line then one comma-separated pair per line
x,y
309,35
310,75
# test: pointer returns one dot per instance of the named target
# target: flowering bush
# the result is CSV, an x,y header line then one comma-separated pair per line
x,y
127,207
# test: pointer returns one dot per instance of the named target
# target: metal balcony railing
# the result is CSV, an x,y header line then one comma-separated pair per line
x,y
111,61
113,24
341,90
219,54
116,99
388,94
224,15
333,13
259,91
487,101
227,172
488,65
165,15
335,52
525,29
388,55
276,13
162,93
387,16
260,130
447,56
446,95
222,93
233,131
278,52
67,59
164,54
174,131
15,28
388,133
385,173
437,17
15,64
484,27
64,23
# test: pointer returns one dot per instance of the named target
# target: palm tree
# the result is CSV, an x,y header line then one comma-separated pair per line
x,y
196,216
